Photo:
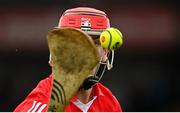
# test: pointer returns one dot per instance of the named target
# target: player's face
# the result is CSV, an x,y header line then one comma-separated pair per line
x,y
102,52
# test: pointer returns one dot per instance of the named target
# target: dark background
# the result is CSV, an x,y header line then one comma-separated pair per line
x,y
146,72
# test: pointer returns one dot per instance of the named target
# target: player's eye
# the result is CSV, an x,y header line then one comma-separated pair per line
x,y
95,39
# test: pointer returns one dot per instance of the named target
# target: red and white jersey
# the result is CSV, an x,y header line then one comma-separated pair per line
x,y
37,100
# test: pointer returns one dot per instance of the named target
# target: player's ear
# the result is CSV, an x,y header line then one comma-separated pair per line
x,y
50,61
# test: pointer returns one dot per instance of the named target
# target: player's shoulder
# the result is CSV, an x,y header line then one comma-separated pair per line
x,y
102,89
108,97
46,81
44,86
38,98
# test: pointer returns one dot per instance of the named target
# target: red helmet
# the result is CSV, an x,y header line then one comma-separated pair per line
x,y
90,20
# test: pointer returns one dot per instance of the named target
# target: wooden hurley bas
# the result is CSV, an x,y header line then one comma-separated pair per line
x,y
73,57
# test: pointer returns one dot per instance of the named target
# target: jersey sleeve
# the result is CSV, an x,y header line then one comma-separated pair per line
x,y
38,99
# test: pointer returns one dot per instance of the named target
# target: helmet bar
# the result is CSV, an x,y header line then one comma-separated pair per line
x,y
85,13
85,10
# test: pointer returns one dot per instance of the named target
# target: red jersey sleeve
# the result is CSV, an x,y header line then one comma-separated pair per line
x,y
37,100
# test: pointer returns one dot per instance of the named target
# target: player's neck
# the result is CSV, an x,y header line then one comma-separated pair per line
x,y
85,95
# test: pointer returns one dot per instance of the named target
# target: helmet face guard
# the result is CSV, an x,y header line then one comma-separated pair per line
x,y
90,20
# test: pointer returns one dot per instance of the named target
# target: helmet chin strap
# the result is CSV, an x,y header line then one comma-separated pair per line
x,y
102,66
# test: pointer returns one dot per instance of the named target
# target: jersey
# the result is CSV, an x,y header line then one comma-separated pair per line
x,y
37,100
